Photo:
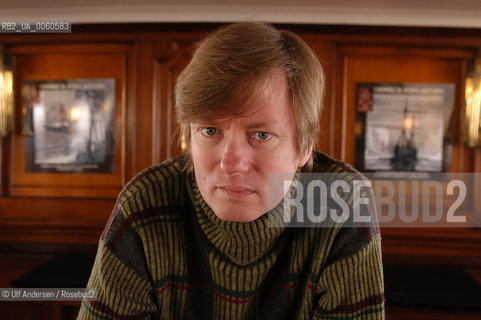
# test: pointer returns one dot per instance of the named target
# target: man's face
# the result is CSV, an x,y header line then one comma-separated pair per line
x,y
233,158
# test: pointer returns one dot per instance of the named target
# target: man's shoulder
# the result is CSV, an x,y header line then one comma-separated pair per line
x,y
324,163
158,181
351,237
154,195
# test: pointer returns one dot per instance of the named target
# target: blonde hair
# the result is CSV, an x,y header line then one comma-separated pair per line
x,y
232,67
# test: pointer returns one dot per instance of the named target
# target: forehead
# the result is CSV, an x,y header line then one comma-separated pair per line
x,y
270,104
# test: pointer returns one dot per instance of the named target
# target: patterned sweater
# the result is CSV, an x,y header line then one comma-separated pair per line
x,y
164,254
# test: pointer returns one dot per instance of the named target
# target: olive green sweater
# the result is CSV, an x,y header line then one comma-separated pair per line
x,y
164,254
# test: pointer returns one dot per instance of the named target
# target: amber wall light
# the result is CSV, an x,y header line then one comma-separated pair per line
x,y
472,134
6,97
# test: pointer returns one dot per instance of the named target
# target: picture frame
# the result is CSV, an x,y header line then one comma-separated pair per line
x,y
31,177
59,166
69,126
403,128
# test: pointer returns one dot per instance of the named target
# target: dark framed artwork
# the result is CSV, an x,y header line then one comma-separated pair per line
x,y
69,126
403,127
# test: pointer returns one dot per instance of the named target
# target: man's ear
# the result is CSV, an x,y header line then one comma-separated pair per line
x,y
304,157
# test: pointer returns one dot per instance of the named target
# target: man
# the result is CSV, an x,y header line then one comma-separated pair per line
x,y
190,238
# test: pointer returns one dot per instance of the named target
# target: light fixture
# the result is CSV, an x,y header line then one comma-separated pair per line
x,y
6,97
472,133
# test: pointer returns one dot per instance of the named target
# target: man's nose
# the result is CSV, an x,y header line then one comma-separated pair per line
x,y
235,155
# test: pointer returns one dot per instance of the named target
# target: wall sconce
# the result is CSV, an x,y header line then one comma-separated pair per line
x,y
6,97
472,134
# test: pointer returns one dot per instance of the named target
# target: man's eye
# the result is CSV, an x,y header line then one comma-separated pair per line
x,y
209,132
263,136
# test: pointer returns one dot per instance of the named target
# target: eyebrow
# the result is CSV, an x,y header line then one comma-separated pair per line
x,y
250,126
263,124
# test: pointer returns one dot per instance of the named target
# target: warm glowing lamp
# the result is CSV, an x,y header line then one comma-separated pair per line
x,y
408,123
6,98
472,134
75,113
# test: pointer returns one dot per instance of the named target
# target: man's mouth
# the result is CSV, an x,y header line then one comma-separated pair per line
x,y
236,191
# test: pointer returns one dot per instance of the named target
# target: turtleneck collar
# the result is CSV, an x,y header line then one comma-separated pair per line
x,y
242,242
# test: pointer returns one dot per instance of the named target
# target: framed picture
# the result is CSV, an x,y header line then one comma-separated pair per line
x,y
69,126
72,111
403,126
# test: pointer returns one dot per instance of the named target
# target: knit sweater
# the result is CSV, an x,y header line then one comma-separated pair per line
x,y
164,254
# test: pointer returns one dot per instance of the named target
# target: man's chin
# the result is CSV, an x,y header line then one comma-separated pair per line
x,y
238,216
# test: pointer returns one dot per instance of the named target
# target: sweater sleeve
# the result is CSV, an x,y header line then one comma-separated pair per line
x,y
352,287
120,275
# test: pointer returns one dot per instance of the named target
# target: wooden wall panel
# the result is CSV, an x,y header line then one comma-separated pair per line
x,y
170,58
3,167
400,64
147,60
141,150
391,63
57,207
64,62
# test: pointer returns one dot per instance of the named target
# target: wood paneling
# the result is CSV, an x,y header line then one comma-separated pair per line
x,y
64,62
146,59
40,213
170,58
3,166
400,64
